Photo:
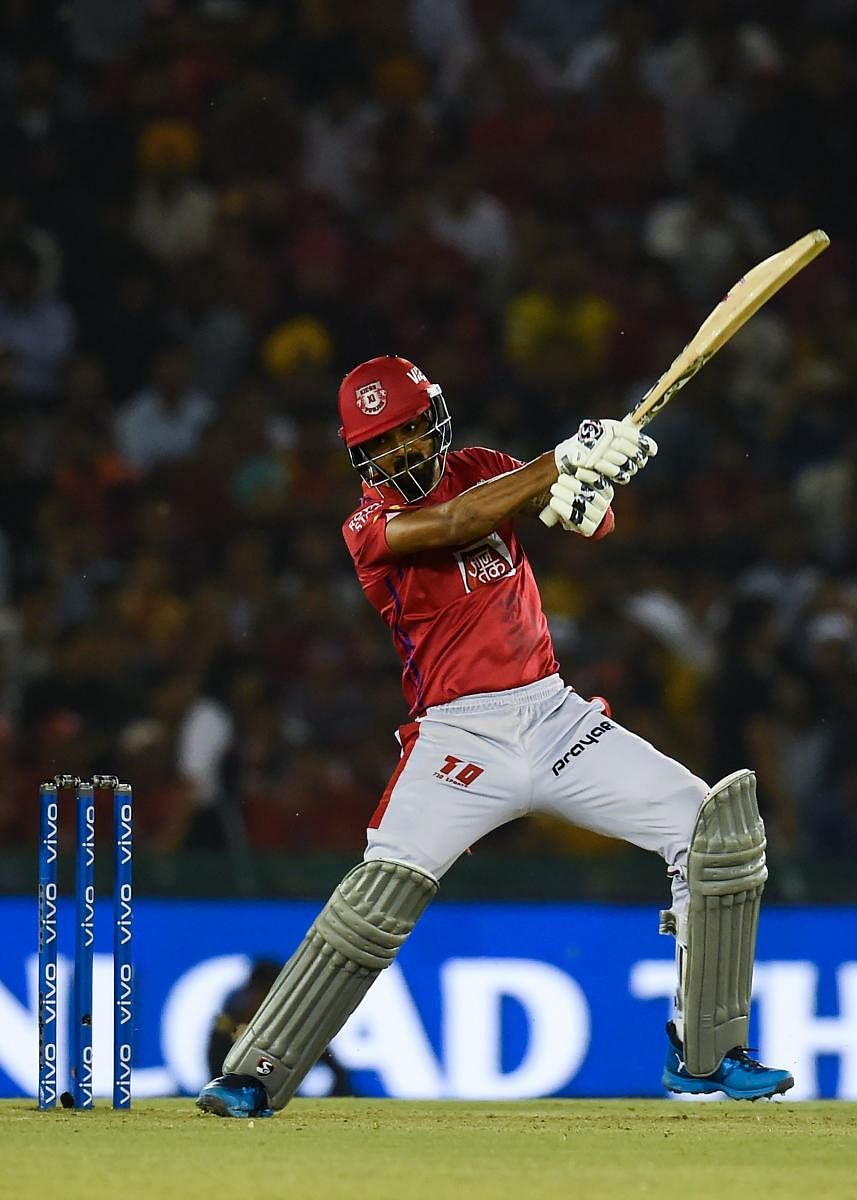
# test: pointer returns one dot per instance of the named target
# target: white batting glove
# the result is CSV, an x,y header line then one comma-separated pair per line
x,y
580,506
614,449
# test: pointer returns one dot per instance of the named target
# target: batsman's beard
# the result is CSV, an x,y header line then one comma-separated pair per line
x,y
414,476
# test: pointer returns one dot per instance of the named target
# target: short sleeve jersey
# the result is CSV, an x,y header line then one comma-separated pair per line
x,y
462,620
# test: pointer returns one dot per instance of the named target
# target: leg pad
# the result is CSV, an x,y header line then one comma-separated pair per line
x,y
726,876
356,935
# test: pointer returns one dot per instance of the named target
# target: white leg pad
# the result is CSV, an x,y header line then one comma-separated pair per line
x,y
356,935
726,876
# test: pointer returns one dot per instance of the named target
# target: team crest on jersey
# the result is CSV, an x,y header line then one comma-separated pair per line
x,y
486,562
371,398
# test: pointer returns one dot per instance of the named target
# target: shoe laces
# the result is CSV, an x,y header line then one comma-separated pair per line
x,y
741,1054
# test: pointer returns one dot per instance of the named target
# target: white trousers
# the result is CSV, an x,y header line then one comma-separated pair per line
x,y
472,765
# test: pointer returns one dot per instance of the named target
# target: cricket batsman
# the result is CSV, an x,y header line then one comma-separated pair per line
x,y
494,733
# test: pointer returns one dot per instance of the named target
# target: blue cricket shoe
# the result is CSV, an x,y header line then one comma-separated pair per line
x,y
234,1096
739,1075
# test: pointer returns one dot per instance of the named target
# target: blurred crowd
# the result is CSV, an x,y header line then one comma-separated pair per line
x,y
211,210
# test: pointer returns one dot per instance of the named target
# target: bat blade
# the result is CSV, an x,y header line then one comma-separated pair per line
x,y
739,304
736,308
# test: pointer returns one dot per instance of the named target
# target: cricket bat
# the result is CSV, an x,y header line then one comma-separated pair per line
x,y
736,308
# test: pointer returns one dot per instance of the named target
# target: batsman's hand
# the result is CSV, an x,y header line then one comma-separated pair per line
x,y
616,450
580,507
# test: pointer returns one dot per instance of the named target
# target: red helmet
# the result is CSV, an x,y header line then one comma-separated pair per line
x,y
380,395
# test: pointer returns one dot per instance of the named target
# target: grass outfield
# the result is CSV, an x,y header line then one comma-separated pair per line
x,y
399,1150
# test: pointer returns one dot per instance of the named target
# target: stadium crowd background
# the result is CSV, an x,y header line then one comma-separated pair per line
x,y
210,211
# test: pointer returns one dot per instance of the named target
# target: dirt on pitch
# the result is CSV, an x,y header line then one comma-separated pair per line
x,y
401,1150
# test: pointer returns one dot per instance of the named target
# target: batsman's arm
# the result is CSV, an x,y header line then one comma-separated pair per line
x,y
534,506
474,513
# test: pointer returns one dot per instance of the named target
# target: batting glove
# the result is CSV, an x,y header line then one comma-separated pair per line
x,y
580,507
616,450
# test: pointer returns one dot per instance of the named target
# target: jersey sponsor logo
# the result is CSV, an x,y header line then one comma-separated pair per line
x,y
591,739
485,562
458,772
371,398
361,518
416,376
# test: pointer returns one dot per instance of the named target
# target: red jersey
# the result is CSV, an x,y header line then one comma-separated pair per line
x,y
462,620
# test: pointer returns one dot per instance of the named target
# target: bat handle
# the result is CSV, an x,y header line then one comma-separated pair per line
x,y
640,419
547,516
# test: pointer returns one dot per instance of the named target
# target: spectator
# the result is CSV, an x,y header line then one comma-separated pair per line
x,y
203,815
165,420
337,138
15,226
39,331
706,233
174,210
474,223
824,494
